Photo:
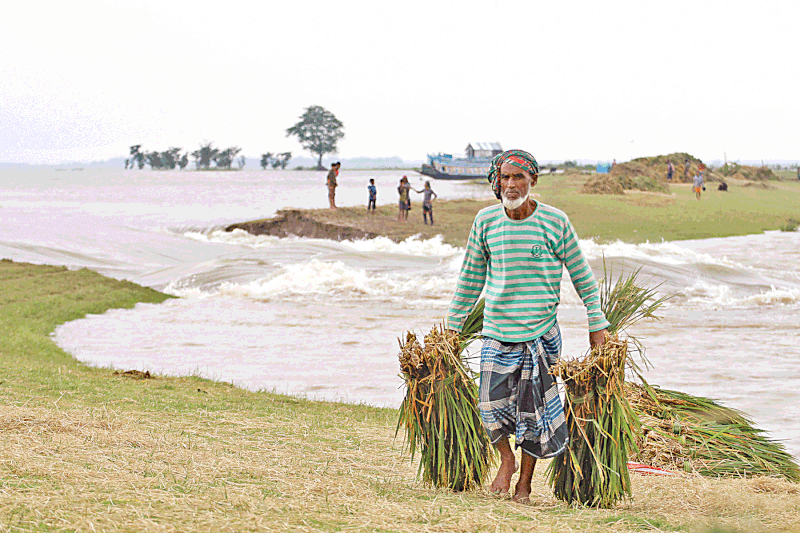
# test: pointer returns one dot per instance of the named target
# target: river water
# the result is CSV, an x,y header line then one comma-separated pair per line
x,y
320,318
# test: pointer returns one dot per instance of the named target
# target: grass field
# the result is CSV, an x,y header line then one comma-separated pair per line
x,y
746,208
85,449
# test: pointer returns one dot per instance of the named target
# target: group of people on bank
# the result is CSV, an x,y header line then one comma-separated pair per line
x,y
698,182
404,202
403,191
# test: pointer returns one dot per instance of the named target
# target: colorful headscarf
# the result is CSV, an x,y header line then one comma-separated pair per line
x,y
518,158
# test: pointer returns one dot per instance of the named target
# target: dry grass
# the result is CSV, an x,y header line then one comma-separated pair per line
x,y
325,467
602,184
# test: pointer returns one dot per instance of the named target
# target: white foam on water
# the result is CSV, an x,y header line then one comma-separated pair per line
x,y
775,296
185,289
717,296
327,278
413,245
237,237
667,253
707,293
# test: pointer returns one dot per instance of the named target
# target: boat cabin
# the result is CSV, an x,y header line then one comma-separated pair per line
x,y
483,150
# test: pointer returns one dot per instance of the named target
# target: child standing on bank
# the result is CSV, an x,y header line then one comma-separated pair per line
x,y
373,196
427,202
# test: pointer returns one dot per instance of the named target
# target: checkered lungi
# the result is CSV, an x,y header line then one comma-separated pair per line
x,y
518,396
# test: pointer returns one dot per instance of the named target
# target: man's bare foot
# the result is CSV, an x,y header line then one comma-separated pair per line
x,y
502,481
522,493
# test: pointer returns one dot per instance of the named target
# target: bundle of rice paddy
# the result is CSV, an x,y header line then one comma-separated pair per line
x,y
602,429
439,412
696,434
602,425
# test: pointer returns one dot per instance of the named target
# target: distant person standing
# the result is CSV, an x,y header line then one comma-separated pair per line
x,y
698,183
685,170
373,196
333,173
613,164
404,201
427,202
670,170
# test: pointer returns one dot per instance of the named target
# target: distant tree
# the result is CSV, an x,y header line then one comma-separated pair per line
x,y
224,158
265,160
318,132
205,155
169,158
184,161
137,156
281,160
153,159
241,162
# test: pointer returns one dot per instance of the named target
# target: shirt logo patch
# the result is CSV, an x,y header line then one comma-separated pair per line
x,y
537,251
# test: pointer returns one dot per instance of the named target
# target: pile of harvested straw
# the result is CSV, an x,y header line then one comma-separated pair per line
x,y
602,425
696,434
440,410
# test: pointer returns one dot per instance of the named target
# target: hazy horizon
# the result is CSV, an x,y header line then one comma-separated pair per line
x,y
618,79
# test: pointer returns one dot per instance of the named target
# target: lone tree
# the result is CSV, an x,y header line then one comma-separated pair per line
x,y
318,132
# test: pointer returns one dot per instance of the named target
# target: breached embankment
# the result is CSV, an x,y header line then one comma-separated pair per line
x,y
297,223
453,221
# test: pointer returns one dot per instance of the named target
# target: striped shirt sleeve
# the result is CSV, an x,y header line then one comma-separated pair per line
x,y
471,279
582,277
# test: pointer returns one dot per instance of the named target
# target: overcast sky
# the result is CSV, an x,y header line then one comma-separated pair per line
x,y
84,80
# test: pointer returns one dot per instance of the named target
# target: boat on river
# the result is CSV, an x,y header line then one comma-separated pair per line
x,y
474,166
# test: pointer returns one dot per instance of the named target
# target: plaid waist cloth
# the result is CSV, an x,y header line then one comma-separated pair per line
x,y
518,396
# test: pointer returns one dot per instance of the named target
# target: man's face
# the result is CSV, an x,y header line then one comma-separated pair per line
x,y
515,185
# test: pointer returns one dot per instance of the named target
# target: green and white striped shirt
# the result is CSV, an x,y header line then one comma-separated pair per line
x,y
520,263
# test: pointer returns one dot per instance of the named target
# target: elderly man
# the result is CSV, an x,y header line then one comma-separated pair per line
x,y
517,250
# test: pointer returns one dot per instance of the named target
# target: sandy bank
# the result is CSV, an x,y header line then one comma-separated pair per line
x,y
633,217
453,219
294,222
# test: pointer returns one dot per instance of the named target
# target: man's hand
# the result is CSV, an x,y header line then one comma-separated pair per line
x,y
598,338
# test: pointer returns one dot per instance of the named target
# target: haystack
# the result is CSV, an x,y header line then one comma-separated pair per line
x,y
656,167
688,433
650,173
602,184
745,172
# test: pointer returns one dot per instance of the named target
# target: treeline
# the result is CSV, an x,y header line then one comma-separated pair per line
x,y
276,161
207,157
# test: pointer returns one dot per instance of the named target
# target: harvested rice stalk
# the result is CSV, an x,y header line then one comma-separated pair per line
x,y
602,425
439,412
696,434
602,428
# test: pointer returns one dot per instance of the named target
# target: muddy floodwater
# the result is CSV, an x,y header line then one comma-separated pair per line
x,y
320,318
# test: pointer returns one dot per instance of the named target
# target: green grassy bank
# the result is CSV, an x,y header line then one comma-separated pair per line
x,y
747,207
85,449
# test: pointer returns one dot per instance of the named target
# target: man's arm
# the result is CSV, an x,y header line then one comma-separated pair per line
x,y
584,282
470,282
598,338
